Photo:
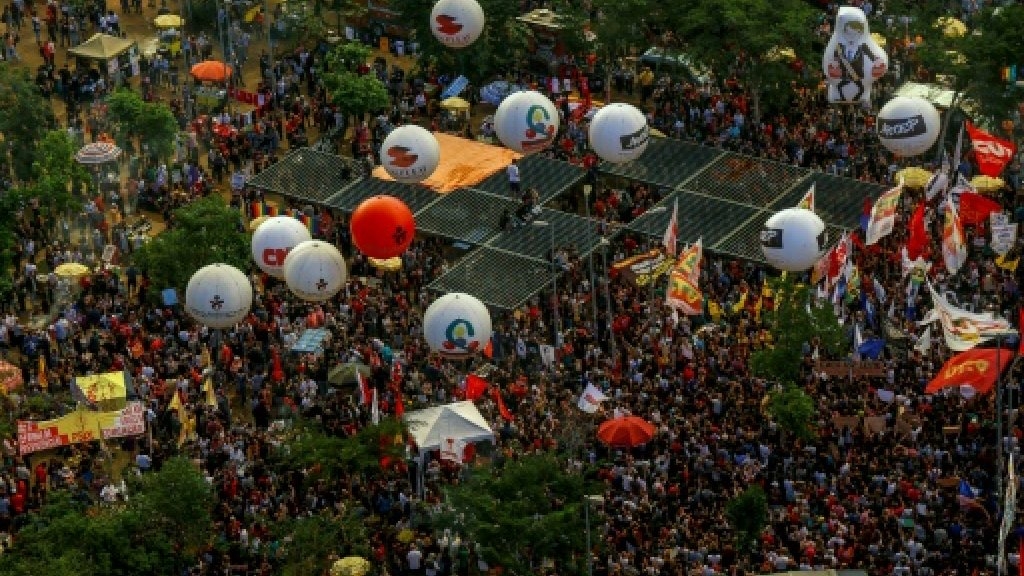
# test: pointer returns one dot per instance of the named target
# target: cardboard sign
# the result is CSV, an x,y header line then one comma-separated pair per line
x,y
841,368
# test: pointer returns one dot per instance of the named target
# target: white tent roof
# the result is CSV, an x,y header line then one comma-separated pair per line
x,y
102,47
460,420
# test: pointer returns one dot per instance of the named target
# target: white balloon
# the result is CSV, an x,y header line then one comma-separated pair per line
x,y
852,60
908,126
457,23
218,296
272,241
315,271
457,325
793,239
619,133
410,154
526,122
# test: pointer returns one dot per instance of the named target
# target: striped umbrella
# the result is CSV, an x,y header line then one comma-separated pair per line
x,y
98,153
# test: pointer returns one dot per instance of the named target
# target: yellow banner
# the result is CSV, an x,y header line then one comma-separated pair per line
x,y
107,391
79,426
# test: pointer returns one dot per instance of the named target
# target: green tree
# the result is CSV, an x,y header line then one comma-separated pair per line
x,y
529,510
204,232
797,324
748,514
354,93
25,118
793,410
315,539
499,50
175,504
152,123
744,37
56,174
330,456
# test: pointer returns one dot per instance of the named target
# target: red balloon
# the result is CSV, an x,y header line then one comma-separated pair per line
x,y
382,227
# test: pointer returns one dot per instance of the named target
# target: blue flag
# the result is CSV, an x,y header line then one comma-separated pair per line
x,y
872,348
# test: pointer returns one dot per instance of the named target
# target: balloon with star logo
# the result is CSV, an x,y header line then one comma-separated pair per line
x,y
457,325
526,122
315,270
218,296
410,154
382,227
457,23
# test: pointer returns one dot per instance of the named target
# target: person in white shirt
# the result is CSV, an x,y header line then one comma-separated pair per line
x,y
513,178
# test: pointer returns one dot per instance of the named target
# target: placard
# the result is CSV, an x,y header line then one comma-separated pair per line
x,y
843,368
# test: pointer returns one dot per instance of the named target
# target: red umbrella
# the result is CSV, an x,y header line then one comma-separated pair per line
x,y
625,432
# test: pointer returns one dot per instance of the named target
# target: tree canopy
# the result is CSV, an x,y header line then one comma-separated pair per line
x,y
207,231
353,90
133,118
25,118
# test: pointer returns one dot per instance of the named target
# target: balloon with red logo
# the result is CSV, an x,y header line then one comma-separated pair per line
x,y
410,154
526,122
315,271
382,227
218,296
457,23
274,239
457,325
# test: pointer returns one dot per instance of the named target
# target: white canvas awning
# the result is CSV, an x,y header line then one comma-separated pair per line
x,y
102,47
460,420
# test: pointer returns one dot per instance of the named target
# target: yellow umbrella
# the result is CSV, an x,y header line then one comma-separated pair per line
x,y
655,133
914,177
879,39
255,222
393,264
987,184
168,21
350,566
71,270
455,103
951,27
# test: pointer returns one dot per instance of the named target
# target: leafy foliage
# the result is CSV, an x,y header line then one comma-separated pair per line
x,y
355,93
56,174
330,456
793,410
25,118
500,48
528,510
176,503
314,539
203,232
797,324
151,122
748,514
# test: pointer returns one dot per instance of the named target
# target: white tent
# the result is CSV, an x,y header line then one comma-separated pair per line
x,y
460,420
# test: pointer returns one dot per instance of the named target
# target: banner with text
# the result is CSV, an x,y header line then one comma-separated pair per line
x,y
80,426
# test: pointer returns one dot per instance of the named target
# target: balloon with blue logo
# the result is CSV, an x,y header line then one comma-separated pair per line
x,y
526,122
457,325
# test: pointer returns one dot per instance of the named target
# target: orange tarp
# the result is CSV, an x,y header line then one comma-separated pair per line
x,y
463,163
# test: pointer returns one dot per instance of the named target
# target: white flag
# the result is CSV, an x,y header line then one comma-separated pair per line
x,y
939,182
961,329
375,409
591,399
671,237
1004,236
954,248
883,215
924,343
858,341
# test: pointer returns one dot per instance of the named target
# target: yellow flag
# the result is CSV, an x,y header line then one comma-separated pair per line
x,y
740,304
43,382
1007,264
175,403
211,395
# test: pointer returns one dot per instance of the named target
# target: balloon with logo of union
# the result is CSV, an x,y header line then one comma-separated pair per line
x,y
526,122
793,239
457,23
218,296
457,325
619,133
410,154
908,125
382,227
315,271
272,241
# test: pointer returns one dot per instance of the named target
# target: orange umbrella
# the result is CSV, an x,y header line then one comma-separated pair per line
x,y
211,71
625,432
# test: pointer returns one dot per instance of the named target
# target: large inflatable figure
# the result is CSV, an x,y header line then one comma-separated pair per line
x,y
852,60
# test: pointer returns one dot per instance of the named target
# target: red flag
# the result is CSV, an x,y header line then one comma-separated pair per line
x,y
277,373
918,240
978,368
496,396
489,348
399,404
475,387
365,392
1020,566
975,208
992,154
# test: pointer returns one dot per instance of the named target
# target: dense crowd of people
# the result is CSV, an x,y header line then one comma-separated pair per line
x,y
879,488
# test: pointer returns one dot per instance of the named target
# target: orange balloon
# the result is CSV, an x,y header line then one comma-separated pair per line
x,y
382,227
